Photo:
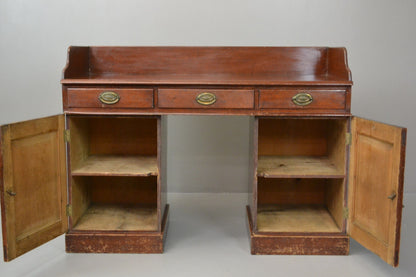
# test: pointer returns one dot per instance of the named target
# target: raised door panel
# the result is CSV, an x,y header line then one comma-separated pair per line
x,y
376,187
33,184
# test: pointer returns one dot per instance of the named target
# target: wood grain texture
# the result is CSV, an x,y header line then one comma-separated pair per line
x,y
293,137
34,192
334,201
115,135
2,200
209,65
115,165
118,242
122,190
295,218
376,173
298,167
322,99
129,98
296,244
291,191
225,99
253,162
107,217
162,167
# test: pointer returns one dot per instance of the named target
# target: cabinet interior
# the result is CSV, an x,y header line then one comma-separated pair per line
x,y
300,205
301,175
114,173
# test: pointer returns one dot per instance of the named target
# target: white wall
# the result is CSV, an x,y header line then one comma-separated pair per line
x,y
380,37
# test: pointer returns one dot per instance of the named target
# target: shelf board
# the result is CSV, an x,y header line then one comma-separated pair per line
x,y
297,167
104,217
111,165
302,218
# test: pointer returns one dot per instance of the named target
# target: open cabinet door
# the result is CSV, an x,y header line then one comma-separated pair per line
x,y
32,183
376,187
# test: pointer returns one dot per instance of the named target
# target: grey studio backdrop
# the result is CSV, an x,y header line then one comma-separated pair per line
x,y
210,153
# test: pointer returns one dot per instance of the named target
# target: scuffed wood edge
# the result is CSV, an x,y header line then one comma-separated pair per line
x,y
120,242
290,244
400,197
3,206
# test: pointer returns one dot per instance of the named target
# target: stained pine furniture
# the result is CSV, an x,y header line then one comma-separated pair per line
x,y
98,172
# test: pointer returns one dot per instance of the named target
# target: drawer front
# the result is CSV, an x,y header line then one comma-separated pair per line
x,y
206,98
331,99
110,98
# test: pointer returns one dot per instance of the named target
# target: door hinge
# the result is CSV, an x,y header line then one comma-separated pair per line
x,y
348,138
69,210
67,135
345,213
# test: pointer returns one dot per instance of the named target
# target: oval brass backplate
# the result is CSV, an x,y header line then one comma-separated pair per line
x,y
206,98
109,97
302,99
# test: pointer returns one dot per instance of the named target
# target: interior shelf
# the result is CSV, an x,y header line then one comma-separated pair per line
x,y
110,217
297,167
117,165
296,218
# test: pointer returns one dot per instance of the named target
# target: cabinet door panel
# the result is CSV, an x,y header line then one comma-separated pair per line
x,y
376,187
33,184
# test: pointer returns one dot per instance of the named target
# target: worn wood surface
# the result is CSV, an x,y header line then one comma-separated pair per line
x,y
110,217
296,244
118,242
162,182
334,201
253,163
376,173
298,167
115,165
129,98
34,192
79,198
295,218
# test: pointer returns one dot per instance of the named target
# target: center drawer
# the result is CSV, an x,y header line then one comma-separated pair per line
x,y
206,98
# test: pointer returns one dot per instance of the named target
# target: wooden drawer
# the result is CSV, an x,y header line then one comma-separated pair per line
x,y
206,98
331,99
110,98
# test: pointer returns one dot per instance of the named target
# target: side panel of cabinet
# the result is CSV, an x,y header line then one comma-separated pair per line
x,y
162,164
252,183
376,187
33,184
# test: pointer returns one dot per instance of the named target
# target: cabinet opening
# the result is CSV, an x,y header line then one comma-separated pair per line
x,y
300,205
114,203
113,146
301,148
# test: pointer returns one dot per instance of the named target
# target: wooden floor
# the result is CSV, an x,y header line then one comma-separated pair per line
x,y
303,218
297,167
113,165
119,218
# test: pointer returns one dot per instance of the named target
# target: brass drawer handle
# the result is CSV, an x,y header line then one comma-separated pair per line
x,y
109,97
206,98
302,99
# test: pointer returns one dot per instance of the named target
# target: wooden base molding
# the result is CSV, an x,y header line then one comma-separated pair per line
x,y
296,244
122,242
